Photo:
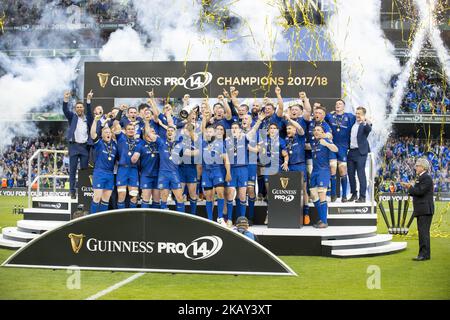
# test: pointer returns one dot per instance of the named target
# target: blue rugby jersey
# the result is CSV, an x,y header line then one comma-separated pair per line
x,y
127,147
341,126
105,155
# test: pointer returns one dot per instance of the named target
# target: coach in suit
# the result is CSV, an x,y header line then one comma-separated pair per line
x,y
78,136
357,155
422,193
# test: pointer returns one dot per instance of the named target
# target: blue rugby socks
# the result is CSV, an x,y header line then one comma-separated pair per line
x,y
242,208
251,208
230,209
323,208
333,185
209,209
220,205
344,186
94,206
103,206
193,204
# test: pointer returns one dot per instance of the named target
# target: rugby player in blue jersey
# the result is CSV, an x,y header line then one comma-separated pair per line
x,y
190,158
253,158
127,173
238,148
341,125
105,154
321,148
169,149
149,167
215,169
273,155
296,121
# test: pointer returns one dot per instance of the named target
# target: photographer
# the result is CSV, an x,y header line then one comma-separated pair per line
x,y
242,227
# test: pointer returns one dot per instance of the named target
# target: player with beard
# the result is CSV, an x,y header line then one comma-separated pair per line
x,y
273,155
252,136
341,123
238,149
127,173
169,149
215,170
149,166
321,147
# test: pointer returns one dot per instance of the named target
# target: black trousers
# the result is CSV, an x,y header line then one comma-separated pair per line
x,y
356,164
423,226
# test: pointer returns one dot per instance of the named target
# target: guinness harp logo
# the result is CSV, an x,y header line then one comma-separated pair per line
x,y
284,182
76,240
103,79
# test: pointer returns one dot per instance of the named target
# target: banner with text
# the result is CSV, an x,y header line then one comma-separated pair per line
x,y
321,80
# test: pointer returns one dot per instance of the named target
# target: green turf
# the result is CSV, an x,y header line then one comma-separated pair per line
x,y
318,277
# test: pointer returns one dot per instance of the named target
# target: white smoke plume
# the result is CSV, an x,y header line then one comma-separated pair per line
x,y
37,84
368,61
30,86
181,32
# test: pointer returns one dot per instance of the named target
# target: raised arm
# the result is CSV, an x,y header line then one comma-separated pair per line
x,y
280,103
297,125
226,106
89,115
94,127
330,146
151,101
66,111
252,132
306,106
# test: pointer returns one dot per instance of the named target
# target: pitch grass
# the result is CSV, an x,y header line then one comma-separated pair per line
x,y
318,277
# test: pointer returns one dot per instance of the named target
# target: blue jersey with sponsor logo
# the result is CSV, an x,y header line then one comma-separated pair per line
x,y
105,155
127,147
212,152
237,150
139,125
169,154
320,155
312,124
295,147
272,151
341,126
149,159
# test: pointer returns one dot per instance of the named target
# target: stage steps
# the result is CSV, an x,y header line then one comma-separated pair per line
x,y
10,244
348,235
391,247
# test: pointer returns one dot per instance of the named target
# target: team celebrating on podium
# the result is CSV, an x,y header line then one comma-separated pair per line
x,y
224,154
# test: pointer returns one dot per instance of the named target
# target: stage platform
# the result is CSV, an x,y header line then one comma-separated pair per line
x,y
352,229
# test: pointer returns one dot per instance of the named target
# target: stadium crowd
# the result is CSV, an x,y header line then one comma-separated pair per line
x,y
14,160
22,12
426,94
400,155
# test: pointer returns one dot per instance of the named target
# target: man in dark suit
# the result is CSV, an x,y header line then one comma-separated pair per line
x,y
422,193
78,136
357,155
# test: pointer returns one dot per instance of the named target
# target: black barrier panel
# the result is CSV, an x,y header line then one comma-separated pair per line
x,y
148,240
285,204
85,190
320,80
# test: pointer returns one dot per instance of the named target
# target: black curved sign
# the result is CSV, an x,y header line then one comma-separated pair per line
x,y
148,240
